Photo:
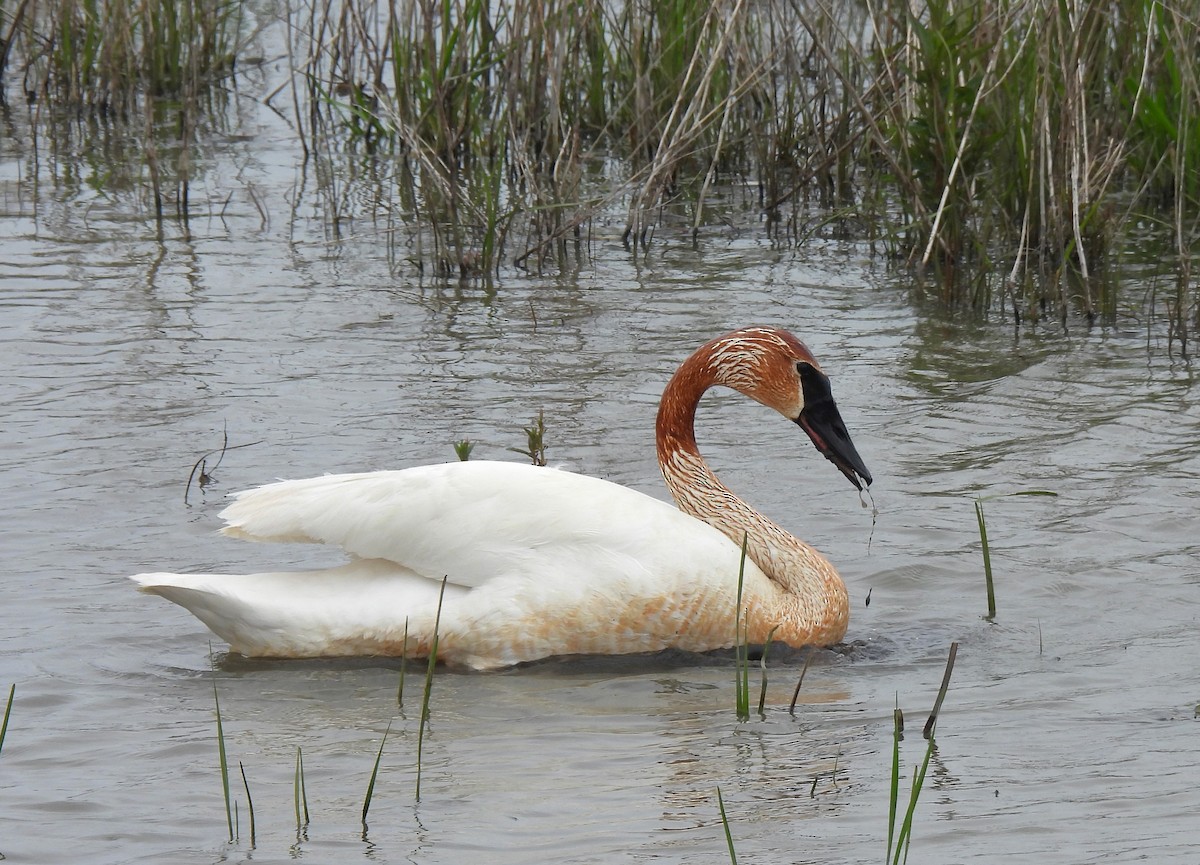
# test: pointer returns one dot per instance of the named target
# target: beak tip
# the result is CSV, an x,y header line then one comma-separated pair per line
x,y
860,478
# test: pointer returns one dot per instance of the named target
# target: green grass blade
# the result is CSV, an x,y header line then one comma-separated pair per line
x,y
742,649
424,722
796,693
905,836
937,704
725,823
987,560
762,665
986,547
894,797
7,711
249,801
374,774
299,793
403,667
221,752
903,839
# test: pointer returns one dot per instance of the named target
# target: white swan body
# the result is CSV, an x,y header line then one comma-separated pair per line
x,y
538,562
543,562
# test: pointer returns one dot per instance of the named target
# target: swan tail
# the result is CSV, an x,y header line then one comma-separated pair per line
x,y
358,609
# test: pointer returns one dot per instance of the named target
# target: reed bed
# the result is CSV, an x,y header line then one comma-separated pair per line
x,y
999,146
1003,149
107,56
146,77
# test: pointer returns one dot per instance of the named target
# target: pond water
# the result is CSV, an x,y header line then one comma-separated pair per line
x,y
1069,733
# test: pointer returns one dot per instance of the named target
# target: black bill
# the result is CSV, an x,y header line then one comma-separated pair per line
x,y
822,421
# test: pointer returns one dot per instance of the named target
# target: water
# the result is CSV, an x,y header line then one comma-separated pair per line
x,y
1069,733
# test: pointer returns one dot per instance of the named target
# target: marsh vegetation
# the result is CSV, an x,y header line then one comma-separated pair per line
x,y
1012,153
1030,163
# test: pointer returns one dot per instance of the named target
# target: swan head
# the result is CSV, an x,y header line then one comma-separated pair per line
x,y
773,367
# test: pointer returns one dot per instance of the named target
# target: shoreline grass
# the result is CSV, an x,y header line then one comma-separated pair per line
x,y
1002,150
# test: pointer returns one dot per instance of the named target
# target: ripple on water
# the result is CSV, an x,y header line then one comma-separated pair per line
x,y
1067,734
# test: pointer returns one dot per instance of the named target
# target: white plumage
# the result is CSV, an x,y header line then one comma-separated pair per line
x,y
540,562
515,542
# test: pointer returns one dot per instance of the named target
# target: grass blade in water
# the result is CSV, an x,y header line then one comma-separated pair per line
x,y
299,793
403,666
374,775
987,560
762,663
905,837
725,823
224,761
249,801
937,704
741,690
894,797
986,547
433,647
796,693
7,711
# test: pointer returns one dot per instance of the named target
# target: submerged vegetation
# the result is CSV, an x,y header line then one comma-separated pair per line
x,y
1008,149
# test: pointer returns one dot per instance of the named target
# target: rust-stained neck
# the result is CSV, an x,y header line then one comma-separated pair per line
x,y
749,361
675,428
756,361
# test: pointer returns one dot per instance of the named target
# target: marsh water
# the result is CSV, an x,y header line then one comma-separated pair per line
x,y
1069,733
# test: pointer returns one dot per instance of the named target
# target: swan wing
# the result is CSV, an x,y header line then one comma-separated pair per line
x,y
539,562
476,521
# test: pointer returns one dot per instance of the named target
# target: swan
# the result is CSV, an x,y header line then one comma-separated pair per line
x,y
538,561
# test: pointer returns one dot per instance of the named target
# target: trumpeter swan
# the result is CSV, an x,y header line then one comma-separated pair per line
x,y
542,562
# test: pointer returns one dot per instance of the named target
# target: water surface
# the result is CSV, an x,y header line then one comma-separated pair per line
x,y
1069,733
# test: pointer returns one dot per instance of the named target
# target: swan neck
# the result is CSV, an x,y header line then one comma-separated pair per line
x,y
795,567
675,429
695,487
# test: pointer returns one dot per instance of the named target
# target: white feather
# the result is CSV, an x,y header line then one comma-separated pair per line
x,y
515,542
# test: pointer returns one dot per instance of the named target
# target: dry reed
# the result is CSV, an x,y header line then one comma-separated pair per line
x,y
1002,149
